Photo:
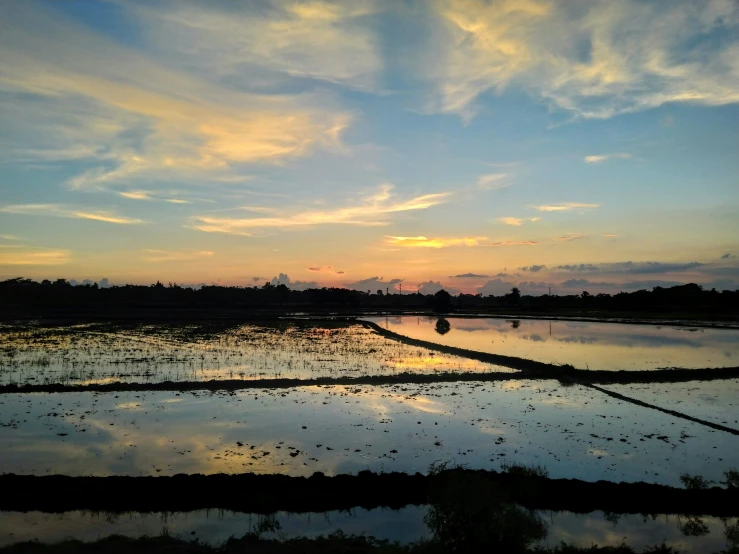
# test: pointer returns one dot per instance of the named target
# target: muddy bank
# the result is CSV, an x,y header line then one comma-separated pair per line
x,y
256,493
521,364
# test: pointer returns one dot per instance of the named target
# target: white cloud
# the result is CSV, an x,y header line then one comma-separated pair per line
x,y
139,116
593,59
493,181
373,210
564,207
596,159
323,40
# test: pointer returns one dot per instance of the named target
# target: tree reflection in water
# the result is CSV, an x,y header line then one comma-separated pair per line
x,y
468,513
442,326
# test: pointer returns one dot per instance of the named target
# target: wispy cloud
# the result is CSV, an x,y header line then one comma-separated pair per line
x,y
608,58
517,221
578,267
513,243
372,211
596,159
424,242
493,181
61,210
151,255
468,276
564,207
659,267
569,237
151,196
139,116
326,269
33,257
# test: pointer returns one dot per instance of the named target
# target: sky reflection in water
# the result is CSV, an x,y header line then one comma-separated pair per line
x,y
573,432
606,346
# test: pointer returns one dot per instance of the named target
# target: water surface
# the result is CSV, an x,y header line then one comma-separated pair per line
x,y
585,345
573,431
405,526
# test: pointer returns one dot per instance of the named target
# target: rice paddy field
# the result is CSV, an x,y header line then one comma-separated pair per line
x,y
411,408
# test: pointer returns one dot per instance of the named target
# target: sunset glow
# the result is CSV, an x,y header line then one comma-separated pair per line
x,y
467,144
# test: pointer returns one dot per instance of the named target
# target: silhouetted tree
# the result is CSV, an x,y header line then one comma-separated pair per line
x,y
442,301
514,297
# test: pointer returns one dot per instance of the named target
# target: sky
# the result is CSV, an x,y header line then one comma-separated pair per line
x,y
467,144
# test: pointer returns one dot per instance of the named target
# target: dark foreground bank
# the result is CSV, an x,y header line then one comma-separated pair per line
x,y
334,544
267,494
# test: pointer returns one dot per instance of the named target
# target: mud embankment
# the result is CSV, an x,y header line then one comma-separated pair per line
x,y
269,493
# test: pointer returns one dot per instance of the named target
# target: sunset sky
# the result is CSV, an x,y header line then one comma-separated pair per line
x,y
475,145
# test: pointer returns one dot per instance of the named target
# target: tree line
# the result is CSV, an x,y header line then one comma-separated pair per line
x,y
20,294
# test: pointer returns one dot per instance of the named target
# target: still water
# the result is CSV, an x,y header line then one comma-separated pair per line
x,y
573,431
405,526
585,345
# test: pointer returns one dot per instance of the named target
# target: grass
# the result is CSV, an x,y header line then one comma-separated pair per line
x,y
694,482
524,470
731,479
154,353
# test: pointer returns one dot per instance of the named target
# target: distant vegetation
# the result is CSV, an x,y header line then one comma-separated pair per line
x,y
21,295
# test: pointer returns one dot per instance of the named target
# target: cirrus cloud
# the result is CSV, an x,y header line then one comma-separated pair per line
x,y
374,210
564,207
424,242
61,210
592,59
596,159
32,257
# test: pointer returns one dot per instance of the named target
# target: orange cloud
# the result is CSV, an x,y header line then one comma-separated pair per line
x,y
33,257
423,242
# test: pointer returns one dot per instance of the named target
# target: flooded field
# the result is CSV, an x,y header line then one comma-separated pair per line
x,y
572,431
106,352
691,535
585,345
